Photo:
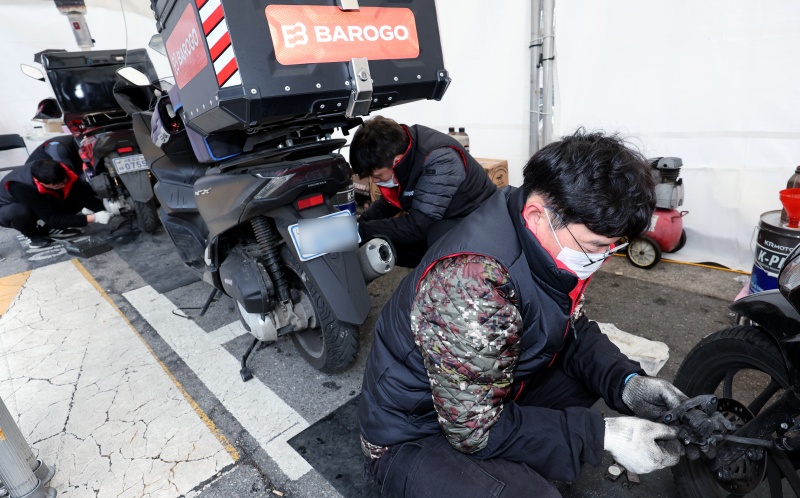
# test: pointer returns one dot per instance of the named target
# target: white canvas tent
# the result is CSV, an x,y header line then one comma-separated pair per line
x,y
715,83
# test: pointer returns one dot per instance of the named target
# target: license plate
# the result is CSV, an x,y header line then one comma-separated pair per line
x,y
129,164
315,237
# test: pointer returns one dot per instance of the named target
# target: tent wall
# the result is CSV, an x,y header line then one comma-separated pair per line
x,y
716,83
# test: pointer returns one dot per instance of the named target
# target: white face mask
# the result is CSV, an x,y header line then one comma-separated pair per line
x,y
582,263
388,183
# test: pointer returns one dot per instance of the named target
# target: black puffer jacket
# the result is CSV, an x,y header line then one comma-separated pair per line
x,y
63,149
438,180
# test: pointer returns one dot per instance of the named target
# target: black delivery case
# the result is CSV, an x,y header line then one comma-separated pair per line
x,y
83,82
254,63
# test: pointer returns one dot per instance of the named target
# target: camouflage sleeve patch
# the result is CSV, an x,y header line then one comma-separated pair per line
x,y
468,332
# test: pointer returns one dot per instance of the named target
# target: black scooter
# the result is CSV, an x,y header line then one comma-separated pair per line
x,y
750,375
238,224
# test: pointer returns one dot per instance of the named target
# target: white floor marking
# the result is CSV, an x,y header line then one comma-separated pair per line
x,y
260,411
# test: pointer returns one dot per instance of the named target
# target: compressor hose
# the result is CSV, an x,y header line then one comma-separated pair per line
x,y
268,246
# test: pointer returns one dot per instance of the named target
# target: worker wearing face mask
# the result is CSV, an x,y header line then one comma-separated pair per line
x,y
484,368
422,173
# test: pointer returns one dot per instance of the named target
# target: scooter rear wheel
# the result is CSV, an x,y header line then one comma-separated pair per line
x,y
147,215
743,363
331,347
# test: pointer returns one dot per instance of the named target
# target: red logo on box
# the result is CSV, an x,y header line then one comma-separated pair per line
x,y
306,34
186,48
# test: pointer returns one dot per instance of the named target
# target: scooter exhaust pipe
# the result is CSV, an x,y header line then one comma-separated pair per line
x,y
377,258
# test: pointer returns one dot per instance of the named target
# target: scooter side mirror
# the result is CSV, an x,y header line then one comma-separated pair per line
x,y
133,76
32,72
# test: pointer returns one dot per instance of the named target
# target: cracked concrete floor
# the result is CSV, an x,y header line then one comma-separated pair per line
x,y
92,400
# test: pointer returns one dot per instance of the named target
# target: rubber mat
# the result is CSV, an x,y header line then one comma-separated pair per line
x,y
332,447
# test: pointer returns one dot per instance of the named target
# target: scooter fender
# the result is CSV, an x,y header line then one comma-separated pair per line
x,y
773,312
337,276
138,184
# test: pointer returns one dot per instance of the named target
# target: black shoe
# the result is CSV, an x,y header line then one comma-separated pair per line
x,y
39,241
61,233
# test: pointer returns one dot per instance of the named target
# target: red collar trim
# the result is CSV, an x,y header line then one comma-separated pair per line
x,y
61,193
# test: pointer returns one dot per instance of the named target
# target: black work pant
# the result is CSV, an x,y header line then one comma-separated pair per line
x,y
19,217
431,468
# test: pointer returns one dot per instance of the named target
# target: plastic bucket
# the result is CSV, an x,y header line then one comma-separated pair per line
x,y
773,244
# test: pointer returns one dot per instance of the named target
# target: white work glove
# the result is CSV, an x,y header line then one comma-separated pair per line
x,y
87,211
651,397
111,206
102,217
642,446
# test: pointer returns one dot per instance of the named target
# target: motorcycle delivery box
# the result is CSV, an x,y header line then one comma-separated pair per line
x,y
243,65
83,82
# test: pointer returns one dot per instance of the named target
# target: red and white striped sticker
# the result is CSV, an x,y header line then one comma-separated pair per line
x,y
218,40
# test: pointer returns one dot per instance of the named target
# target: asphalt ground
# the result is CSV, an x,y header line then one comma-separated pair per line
x,y
673,303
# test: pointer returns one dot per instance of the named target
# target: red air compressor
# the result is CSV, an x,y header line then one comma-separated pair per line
x,y
666,233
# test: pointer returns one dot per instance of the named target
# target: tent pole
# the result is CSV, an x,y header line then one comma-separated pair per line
x,y
535,93
548,8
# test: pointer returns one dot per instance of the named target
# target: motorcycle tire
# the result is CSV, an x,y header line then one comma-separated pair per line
x,y
147,215
706,369
332,346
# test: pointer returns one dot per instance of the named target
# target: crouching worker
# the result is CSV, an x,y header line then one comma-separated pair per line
x,y
428,183
484,368
51,192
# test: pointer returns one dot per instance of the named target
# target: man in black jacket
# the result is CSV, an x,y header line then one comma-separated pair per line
x,y
51,192
63,149
428,182
484,368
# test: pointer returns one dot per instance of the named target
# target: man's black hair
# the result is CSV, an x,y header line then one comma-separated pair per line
x,y
49,172
595,180
375,145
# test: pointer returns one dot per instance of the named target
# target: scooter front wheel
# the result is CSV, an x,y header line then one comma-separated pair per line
x,y
745,364
331,347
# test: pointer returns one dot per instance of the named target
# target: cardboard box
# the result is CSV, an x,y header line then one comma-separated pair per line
x,y
497,169
362,185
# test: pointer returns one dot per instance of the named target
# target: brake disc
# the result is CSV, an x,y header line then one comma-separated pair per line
x,y
746,472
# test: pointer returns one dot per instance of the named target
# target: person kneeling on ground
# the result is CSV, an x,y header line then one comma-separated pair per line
x,y
484,368
51,192
422,173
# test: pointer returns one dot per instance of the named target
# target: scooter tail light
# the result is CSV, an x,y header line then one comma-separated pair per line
x,y
124,150
276,182
308,202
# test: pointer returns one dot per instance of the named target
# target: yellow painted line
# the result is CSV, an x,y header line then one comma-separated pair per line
x,y
10,287
200,413
699,265
2,435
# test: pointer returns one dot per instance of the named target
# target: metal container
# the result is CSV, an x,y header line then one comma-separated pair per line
x,y
773,244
